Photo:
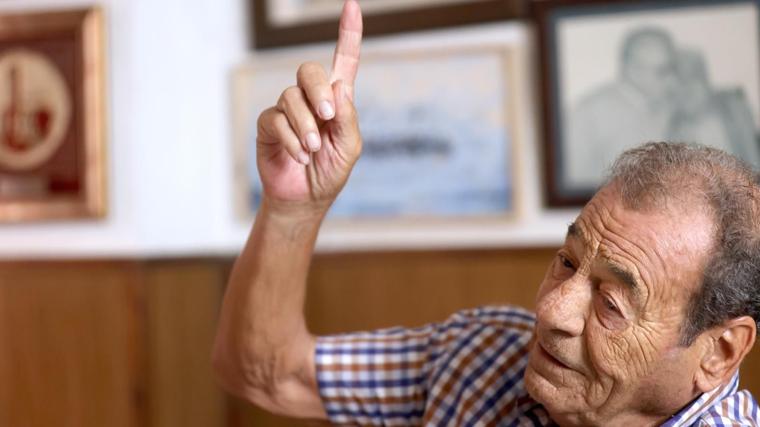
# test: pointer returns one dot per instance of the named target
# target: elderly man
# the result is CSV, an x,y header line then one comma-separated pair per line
x,y
643,317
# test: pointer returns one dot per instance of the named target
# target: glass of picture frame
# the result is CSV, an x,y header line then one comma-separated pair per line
x,y
616,74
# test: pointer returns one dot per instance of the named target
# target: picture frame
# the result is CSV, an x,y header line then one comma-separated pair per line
x,y
486,176
278,23
615,74
52,111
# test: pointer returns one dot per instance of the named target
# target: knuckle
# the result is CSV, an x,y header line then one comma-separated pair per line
x,y
307,124
308,68
359,146
280,121
351,115
266,117
289,96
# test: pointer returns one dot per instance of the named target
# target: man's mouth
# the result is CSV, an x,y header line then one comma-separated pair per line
x,y
551,357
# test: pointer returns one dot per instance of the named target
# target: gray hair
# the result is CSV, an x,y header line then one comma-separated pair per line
x,y
660,174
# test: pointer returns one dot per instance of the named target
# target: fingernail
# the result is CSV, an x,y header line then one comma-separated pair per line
x,y
326,110
303,158
312,141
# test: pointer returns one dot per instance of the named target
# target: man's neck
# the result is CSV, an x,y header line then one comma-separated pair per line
x,y
621,419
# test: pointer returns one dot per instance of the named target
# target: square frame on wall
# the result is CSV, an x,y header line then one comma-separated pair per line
x,y
52,132
278,23
616,74
433,157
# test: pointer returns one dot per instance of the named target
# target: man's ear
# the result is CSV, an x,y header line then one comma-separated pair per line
x,y
730,342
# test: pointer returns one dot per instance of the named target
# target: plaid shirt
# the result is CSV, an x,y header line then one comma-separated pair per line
x,y
466,371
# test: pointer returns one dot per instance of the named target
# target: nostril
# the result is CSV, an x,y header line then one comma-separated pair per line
x,y
566,319
563,333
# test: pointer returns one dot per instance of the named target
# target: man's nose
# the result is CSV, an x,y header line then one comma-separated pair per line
x,y
565,309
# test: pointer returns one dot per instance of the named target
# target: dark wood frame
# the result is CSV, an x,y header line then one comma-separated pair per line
x,y
266,35
86,27
540,12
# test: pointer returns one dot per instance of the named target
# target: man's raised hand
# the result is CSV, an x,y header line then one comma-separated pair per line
x,y
308,143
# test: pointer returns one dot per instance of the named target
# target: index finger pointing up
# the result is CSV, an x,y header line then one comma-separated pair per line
x,y
346,59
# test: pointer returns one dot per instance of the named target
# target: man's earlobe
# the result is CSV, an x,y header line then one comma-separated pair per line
x,y
730,343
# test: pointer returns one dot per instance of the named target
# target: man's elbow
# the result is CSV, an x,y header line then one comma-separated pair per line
x,y
239,374
253,378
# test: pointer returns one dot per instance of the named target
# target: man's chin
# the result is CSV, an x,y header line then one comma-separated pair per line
x,y
551,397
539,380
555,399
539,388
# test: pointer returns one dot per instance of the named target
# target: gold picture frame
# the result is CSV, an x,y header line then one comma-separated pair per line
x,y
52,116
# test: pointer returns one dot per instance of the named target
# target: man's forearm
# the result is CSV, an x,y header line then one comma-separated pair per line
x,y
262,318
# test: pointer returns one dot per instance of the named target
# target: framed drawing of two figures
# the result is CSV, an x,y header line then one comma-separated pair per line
x,y
619,73
51,116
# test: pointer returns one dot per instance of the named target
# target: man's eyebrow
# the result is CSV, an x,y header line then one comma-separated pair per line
x,y
624,276
572,230
576,232
621,274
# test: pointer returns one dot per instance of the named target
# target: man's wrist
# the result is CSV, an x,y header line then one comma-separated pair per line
x,y
293,212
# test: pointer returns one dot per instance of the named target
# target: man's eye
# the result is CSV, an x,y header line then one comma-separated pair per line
x,y
566,262
610,305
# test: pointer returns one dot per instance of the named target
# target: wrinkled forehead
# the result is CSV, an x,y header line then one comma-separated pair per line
x,y
660,246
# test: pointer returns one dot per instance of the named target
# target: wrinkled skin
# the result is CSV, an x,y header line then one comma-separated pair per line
x,y
608,353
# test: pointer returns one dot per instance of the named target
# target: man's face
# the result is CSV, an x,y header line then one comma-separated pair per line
x,y
652,68
609,315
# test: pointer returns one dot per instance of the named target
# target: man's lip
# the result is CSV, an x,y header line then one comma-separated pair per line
x,y
553,358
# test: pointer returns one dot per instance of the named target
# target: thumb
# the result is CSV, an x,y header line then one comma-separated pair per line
x,y
345,124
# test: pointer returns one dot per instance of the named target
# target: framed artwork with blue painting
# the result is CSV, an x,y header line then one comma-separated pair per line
x,y
437,146
620,73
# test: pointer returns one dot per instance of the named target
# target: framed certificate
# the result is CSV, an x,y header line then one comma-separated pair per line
x,y
52,119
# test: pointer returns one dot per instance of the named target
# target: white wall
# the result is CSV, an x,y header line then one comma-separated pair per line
x,y
170,148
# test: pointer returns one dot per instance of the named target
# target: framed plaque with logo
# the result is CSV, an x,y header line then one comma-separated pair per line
x,y
52,116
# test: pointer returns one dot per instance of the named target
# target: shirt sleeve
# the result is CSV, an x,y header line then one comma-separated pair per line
x,y
384,377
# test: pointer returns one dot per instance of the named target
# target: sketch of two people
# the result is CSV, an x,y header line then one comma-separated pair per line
x,y
663,92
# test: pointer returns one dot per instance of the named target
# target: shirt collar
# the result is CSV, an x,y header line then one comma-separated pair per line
x,y
698,406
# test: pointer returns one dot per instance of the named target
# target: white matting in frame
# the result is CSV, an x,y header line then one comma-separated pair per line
x,y
439,147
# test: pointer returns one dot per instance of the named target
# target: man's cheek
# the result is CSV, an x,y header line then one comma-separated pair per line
x,y
623,358
612,358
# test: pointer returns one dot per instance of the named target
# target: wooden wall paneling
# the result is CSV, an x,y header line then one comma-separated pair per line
x,y
70,352
243,414
373,290
750,372
183,299
127,343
